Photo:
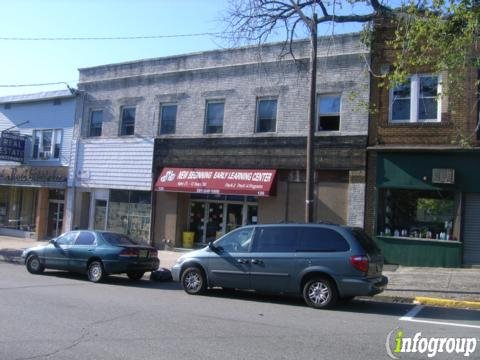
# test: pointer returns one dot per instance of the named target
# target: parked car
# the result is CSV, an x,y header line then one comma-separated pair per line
x,y
321,262
96,253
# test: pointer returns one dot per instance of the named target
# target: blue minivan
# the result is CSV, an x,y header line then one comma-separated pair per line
x,y
321,262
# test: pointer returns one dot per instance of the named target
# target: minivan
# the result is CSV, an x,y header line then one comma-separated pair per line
x,y
321,262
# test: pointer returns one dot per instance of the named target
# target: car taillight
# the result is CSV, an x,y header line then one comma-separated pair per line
x,y
359,263
153,253
129,253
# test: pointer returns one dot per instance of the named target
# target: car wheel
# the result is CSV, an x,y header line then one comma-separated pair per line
x,y
135,275
320,293
193,281
95,271
34,266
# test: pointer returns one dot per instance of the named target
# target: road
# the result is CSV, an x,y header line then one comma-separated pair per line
x,y
59,315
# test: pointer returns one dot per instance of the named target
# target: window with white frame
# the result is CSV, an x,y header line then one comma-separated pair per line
x,y
214,116
168,117
127,124
47,144
328,112
266,115
416,100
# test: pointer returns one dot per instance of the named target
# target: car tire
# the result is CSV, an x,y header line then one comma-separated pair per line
x,y
319,293
135,275
95,271
34,266
193,281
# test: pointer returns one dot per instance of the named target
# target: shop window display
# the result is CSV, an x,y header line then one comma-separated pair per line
x,y
418,214
129,213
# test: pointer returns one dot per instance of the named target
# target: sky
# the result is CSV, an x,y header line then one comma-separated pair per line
x,y
35,62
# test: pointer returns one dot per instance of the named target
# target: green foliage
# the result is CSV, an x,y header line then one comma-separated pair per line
x,y
441,37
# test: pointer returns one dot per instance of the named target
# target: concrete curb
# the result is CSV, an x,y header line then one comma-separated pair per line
x,y
11,259
450,303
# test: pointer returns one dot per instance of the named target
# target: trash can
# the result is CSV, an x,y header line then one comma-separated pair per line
x,y
187,239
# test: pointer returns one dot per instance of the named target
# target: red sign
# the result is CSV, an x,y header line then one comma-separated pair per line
x,y
216,181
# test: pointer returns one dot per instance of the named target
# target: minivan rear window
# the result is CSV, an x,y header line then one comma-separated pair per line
x,y
276,239
366,241
319,239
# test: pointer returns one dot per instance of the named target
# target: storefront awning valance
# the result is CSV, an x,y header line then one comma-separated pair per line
x,y
258,182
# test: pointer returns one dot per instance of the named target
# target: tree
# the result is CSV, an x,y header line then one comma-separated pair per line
x,y
439,34
256,20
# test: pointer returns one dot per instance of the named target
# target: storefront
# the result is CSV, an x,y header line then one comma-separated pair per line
x,y
219,200
427,208
32,201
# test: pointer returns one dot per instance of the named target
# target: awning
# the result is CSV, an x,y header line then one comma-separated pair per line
x,y
256,182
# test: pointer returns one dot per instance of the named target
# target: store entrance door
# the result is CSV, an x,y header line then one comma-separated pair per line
x,y
55,218
211,219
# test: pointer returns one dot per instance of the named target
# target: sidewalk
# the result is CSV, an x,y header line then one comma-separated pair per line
x,y
405,283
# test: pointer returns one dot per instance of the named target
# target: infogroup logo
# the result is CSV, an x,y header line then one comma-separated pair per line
x,y
431,346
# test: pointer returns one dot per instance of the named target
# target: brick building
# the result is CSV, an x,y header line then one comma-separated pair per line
x,y
423,186
237,114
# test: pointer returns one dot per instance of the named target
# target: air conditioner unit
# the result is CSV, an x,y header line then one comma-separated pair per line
x,y
46,155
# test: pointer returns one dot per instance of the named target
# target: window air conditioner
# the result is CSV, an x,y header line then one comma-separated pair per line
x,y
46,155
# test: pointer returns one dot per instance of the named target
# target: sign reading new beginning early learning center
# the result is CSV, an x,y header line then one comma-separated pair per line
x,y
217,181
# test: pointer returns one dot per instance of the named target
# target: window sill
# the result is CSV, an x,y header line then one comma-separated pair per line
x,y
418,124
420,239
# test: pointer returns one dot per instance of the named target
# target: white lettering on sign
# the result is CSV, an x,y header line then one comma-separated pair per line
x,y
193,175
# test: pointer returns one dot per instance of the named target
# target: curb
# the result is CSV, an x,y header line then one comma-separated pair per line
x,y
458,304
11,259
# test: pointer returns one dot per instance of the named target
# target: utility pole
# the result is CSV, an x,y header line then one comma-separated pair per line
x,y
310,168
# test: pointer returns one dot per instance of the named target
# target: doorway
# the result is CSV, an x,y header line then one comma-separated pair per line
x,y
210,219
55,218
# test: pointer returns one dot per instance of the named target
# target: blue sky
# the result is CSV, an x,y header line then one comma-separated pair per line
x,y
30,62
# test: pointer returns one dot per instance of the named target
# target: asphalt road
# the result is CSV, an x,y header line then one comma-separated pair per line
x,y
60,315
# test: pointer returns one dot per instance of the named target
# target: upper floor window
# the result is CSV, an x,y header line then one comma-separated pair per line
x,y
416,100
266,115
47,144
328,112
96,120
127,125
168,118
214,117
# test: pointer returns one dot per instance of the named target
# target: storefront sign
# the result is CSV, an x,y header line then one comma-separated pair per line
x,y
12,147
34,176
443,176
217,181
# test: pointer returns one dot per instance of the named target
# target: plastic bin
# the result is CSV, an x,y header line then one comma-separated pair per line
x,y
187,239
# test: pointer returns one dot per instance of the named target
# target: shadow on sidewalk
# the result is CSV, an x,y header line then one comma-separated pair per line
x,y
11,255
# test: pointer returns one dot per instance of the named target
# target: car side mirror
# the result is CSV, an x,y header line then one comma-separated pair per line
x,y
213,247
53,242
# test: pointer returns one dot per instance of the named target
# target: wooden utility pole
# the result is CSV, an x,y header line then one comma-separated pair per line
x,y
310,168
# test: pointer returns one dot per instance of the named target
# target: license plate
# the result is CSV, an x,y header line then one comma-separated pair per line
x,y
143,253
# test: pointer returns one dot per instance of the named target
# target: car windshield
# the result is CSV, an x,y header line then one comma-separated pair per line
x,y
117,239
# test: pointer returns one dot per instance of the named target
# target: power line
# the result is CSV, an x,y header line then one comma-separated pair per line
x,y
38,84
80,38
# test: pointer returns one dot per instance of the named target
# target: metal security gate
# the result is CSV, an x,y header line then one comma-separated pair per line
x,y
471,230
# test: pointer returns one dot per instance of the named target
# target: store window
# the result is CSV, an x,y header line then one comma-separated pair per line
x,y
328,112
266,115
418,214
18,207
129,213
416,100
214,116
47,144
168,117
127,124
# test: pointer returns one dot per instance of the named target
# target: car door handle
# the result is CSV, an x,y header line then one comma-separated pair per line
x,y
257,261
242,261
90,250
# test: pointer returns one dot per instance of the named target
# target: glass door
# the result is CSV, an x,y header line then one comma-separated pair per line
x,y
214,221
196,220
55,218
234,216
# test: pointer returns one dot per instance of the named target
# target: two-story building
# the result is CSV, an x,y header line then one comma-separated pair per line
x,y
423,197
209,141
35,148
